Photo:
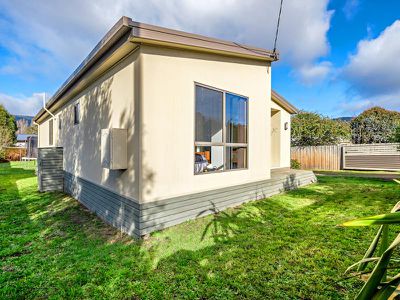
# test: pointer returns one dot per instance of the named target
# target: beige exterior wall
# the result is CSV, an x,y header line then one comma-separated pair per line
x,y
44,130
152,95
280,144
109,102
168,110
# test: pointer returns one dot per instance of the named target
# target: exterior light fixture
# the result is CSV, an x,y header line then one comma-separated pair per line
x,y
286,125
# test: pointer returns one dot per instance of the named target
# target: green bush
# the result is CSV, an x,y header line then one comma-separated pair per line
x,y
396,138
2,155
312,129
375,125
8,128
295,164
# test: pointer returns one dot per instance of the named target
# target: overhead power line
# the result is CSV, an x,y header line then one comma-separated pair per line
x,y
277,27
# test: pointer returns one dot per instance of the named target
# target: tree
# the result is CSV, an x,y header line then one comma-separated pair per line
x,y
396,138
22,126
32,130
312,129
8,128
375,125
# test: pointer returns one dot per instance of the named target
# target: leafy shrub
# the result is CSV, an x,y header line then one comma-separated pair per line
x,y
2,155
295,164
8,128
396,138
312,129
375,125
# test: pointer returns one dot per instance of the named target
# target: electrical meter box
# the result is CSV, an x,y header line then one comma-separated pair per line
x,y
114,148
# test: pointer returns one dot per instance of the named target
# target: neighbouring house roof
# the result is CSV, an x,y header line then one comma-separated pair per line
x,y
24,137
126,31
282,102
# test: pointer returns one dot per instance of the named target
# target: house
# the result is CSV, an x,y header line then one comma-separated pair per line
x,y
158,126
23,140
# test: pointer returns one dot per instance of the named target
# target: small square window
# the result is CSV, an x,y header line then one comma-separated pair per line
x,y
77,113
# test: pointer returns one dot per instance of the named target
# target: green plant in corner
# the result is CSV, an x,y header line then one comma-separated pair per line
x,y
378,285
295,164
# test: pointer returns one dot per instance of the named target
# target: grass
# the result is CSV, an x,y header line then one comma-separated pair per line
x,y
355,172
284,247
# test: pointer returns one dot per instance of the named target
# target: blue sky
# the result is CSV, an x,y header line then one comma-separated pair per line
x,y
338,57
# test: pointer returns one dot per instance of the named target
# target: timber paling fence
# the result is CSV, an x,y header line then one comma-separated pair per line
x,y
318,157
350,157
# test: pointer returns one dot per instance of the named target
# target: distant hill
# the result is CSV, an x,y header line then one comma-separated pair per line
x,y
346,119
24,124
28,119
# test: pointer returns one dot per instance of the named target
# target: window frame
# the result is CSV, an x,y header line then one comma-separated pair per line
x,y
224,144
51,132
77,113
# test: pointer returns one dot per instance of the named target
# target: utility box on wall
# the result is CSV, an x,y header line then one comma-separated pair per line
x,y
114,148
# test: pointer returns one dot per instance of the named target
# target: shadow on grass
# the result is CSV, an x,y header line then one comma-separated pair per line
x,y
284,247
53,247
267,250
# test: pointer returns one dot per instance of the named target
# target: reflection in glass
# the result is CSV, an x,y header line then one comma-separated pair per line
x,y
236,119
208,159
208,115
236,158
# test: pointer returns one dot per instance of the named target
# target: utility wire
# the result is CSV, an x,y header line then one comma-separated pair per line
x,y
277,28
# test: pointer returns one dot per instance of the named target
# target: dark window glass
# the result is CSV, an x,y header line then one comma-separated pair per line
x,y
236,119
51,132
236,158
208,115
76,113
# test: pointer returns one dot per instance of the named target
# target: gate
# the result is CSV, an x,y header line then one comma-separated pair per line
x,y
372,157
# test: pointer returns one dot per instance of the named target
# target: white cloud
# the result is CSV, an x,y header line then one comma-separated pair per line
x,y
358,105
374,70
65,31
373,73
22,105
350,8
314,72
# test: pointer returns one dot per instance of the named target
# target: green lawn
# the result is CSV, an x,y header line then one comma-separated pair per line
x,y
284,247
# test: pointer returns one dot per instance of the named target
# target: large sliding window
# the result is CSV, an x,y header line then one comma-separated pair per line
x,y
221,130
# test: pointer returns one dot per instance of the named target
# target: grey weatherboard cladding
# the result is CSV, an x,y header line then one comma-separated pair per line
x,y
139,219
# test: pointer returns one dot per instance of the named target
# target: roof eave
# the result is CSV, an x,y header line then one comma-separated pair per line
x,y
281,101
117,31
272,58
147,34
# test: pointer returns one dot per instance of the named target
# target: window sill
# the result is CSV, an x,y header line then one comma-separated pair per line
x,y
222,171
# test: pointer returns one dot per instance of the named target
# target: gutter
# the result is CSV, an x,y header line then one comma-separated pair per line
x,y
118,30
140,33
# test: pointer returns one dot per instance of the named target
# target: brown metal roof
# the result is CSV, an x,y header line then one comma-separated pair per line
x,y
278,99
154,34
140,33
